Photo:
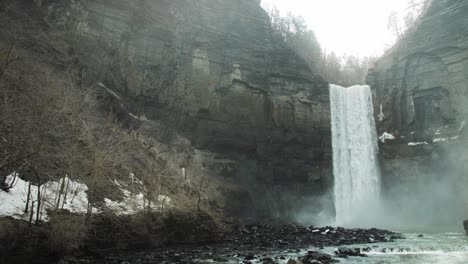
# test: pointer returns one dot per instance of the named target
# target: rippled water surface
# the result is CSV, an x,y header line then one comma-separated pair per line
x,y
445,248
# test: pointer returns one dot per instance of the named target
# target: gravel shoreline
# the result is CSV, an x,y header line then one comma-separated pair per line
x,y
256,244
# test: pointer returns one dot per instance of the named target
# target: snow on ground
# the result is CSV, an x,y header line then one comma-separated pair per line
x,y
134,202
13,201
417,143
73,198
386,136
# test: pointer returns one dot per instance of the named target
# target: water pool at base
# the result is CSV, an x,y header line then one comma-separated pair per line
x,y
445,248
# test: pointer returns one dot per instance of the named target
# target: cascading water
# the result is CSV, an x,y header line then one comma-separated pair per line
x,y
354,139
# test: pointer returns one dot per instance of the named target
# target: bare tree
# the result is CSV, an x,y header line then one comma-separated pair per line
x,y
39,198
28,199
393,24
398,24
201,181
296,35
152,182
414,11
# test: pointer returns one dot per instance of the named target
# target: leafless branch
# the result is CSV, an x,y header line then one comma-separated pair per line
x,y
18,160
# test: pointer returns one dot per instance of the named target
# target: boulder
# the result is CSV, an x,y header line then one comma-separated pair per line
x,y
349,252
314,257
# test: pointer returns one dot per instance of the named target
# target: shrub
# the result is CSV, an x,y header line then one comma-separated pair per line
x,y
67,233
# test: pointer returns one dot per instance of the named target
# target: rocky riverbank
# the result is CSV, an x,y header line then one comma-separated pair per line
x,y
256,243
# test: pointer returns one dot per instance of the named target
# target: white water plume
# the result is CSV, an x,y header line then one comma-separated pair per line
x,y
354,139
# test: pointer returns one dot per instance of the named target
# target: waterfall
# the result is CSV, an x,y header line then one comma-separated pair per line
x,y
355,170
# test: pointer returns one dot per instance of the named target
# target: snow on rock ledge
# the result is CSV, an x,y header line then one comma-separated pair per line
x,y
417,143
386,136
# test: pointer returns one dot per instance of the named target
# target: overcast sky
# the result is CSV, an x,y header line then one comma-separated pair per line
x,y
353,27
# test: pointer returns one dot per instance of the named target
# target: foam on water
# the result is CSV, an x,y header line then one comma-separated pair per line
x,y
447,248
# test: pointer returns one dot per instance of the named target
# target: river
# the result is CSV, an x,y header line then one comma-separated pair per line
x,y
443,248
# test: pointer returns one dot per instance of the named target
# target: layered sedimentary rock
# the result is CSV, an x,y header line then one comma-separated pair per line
x,y
420,92
215,71
422,82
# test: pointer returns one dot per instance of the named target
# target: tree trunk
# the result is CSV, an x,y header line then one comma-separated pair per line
x,y
31,215
199,201
60,191
28,199
64,200
38,179
38,210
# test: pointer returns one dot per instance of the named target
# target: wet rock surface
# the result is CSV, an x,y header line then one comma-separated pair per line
x,y
345,252
259,244
288,236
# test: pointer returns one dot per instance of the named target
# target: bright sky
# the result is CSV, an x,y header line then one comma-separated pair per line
x,y
353,27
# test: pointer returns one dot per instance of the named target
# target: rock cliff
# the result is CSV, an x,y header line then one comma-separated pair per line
x,y
420,92
215,72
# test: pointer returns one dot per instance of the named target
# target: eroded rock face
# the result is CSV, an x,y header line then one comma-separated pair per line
x,y
215,71
420,91
422,82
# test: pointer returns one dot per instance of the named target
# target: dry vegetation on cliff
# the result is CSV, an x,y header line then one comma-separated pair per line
x,y
57,121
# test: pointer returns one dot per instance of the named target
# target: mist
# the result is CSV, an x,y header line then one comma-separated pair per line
x,y
426,194
414,199
422,187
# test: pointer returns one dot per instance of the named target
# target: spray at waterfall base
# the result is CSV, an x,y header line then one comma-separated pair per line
x,y
365,197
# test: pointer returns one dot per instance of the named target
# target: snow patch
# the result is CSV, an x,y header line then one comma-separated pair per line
x,y
386,136
417,143
445,139
134,202
140,118
462,126
381,115
72,198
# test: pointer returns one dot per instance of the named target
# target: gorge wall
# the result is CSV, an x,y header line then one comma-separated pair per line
x,y
420,91
214,71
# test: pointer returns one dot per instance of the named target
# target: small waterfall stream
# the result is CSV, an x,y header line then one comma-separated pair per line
x,y
354,139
